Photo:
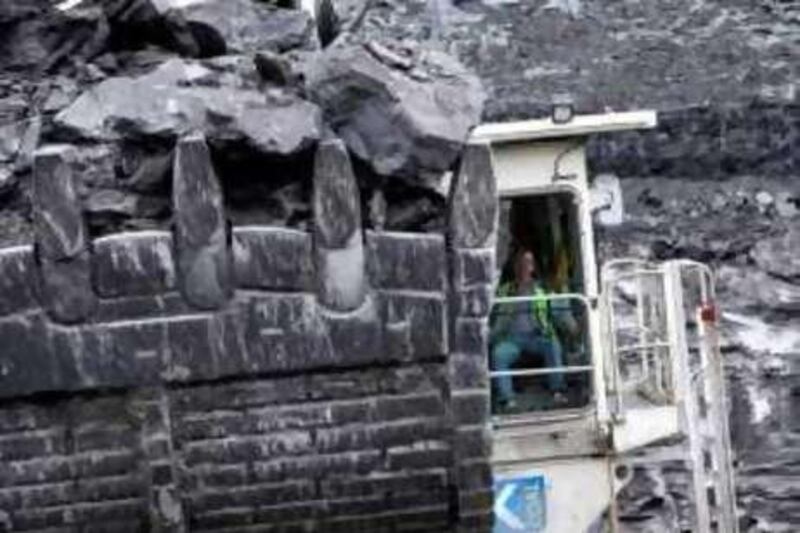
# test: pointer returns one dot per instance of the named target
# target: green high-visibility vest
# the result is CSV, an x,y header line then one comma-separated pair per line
x,y
539,309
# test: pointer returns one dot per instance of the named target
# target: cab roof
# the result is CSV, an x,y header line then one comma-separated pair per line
x,y
580,125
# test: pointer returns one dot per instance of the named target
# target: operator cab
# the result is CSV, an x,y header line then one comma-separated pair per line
x,y
581,376
545,355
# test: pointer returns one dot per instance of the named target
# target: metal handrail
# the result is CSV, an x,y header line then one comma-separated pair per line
x,y
576,369
633,274
559,296
649,353
561,370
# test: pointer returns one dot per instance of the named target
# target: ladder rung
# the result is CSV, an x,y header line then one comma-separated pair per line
x,y
642,347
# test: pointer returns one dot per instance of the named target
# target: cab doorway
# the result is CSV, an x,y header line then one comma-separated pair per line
x,y
539,346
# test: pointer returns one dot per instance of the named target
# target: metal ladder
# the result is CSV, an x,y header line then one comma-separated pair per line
x,y
676,362
702,393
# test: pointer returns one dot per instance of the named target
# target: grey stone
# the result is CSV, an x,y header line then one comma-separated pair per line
x,y
142,307
287,332
210,28
338,241
328,21
474,267
786,205
11,139
138,23
116,203
60,229
63,91
475,301
387,56
335,17
273,259
26,363
193,352
205,348
356,337
228,330
204,262
138,356
473,442
14,107
413,457
274,68
778,255
29,143
406,261
95,166
151,174
133,264
66,288
415,326
468,371
568,7
473,202
764,198
397,124
337,208
45,39
340,277
397,338
471,336
471,407
756,291
61,237
416,213
17,280
645,500
244,26
183,96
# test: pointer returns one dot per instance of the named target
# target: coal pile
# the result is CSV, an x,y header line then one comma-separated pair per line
x,y
121,80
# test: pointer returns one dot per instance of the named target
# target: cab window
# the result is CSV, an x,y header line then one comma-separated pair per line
x,y
539,349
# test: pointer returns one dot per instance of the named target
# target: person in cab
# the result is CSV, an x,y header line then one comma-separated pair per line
x,y
524,327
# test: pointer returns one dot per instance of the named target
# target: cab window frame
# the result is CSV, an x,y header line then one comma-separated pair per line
x,y
581,292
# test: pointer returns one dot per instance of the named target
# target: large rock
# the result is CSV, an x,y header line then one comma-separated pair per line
x,y
235,26
405,112
136,24
39,38
105,204
779,255
182,96
336,16
209,27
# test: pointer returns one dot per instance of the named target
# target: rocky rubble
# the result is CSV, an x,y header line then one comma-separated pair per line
x,y
183,95
121,80
404,111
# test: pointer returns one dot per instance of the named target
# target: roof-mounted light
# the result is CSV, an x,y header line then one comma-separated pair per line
x,y
563,109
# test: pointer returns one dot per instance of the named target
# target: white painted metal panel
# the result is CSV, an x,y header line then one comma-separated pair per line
x,y
577,492
522,168
580,125
543,438
645,425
